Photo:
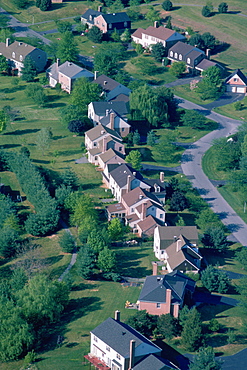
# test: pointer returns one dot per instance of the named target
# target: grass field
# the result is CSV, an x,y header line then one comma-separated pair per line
x,y
229,111
185,92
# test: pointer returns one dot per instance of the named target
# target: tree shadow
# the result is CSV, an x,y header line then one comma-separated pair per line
x,y
128,262
42,161
56,6
55,105
22,132
58,137
172,355
220,48
8,146
176,8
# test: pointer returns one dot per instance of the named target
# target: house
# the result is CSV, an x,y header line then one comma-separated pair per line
x,y
17,52
111,156
177,247
123,179
110,87
66,74
110,22
158,187
153,35
236,82
117,346
115,122
163,294
99,140
100,109
190,55
88,17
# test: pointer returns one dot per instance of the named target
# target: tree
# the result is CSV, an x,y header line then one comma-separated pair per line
x,y
178,201
192,331
167,5
21,4
167,326
76,125
143,322
169,23
164,150
4,20
115,36
205,359
196,39
9,239
84,92
82,208
214,325
95,34
180,221
115,229
126,36
117,6
4,120
158,51
29,71
134,158
45,5
208,41
207,218
43,139
151,138
36,93
71,113
227,154
213,74
64,26
215,280
3,64
177,69
105,64
69,179
51,50
107,260
136,138
152,14
96,241
67,242
139,49
85,263
215,238
194,119
206,12
223,8
241,257
67,48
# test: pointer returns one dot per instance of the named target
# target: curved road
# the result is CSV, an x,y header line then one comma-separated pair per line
x,y
192,168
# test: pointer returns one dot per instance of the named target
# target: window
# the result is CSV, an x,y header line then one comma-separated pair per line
x,y
110,25
235,79
120,148
146,36
157,305
122,129
13,54
108,348
118,356
152,38
180,56
176,55
21,58
132,209
161,215
95,339
171,53
188,60
125,24
94,144
95,158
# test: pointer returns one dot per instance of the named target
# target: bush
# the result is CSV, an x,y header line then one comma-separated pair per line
x,y
206,12
67,242
167,5
238,105
213,325
112,276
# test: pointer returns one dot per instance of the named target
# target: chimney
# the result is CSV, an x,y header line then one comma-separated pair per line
x,y
96,74
128,184
104,149
134,173
58,62
179,242
168,299
7,42
144,210
208,53
100,8
156,24
112,121
132,354
162,177
155,268
117,315
107,112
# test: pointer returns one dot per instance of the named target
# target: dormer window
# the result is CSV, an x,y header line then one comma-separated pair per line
x,y
110,25
176,55
171,53
21,58
13,54
188,60
180,56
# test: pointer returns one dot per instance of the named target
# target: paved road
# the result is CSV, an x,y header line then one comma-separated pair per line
x,y
192,168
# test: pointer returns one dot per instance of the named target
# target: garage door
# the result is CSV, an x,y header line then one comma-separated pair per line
x,y
241,89
230,88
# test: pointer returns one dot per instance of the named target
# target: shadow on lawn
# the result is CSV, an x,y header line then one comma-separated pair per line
x,y
129,261
22,132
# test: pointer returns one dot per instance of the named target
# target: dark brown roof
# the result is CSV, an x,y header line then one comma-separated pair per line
x,y
138,33
117,207
161,32
167,234
137,194
205,64
149,223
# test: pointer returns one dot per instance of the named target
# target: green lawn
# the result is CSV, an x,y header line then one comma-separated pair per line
x,y
209,166
229,110
185,92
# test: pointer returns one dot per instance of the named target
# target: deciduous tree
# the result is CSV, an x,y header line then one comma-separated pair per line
x,y
3,64
194,119
177,69
67,48
134,158
167,5
143,322
43,139
158,51
115,229
107,260
215,238
167,326
95,34
223,7
36,93
84,92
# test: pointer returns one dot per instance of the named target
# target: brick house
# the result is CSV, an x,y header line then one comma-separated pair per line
x,y
17,52
115,345
236,82
163,294
66,74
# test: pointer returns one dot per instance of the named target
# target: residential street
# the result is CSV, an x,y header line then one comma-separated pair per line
x,y
191,166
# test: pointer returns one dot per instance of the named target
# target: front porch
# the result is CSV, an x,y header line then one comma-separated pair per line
x,y
97,362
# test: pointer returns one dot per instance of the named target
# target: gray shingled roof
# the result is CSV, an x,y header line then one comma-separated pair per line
x,y
120,174
183,48
167,234
118,335
205,64
100,107
99,130
107,83
68,69
19,48
154,288
92,13
153,362
116,17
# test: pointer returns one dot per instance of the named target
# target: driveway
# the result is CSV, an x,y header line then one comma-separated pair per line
x,y
227,98
192,168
